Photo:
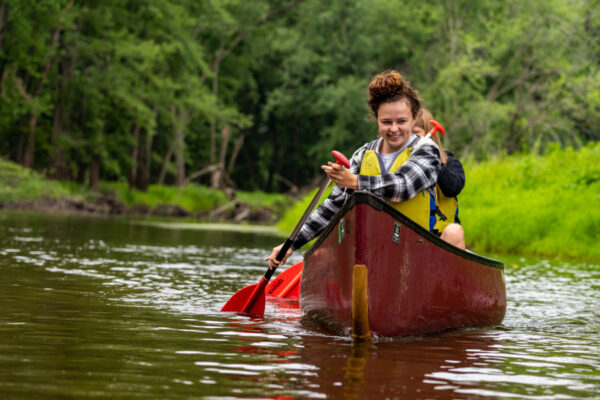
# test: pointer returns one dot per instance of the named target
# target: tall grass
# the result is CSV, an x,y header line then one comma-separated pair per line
x,y
192,197
18,184
527,204
541,205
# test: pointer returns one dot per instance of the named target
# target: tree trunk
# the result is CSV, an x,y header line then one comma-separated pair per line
x,y
178,147
213,121
81,171
179,157
28,157
58,165
237,146
218,175
30,143
164,166
274,170
95,172
144,162
134,156
58,159
3,19
17,154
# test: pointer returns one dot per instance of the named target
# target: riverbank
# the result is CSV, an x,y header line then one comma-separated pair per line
x,y
25,189
546,205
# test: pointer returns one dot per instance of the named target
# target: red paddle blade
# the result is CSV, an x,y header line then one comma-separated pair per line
x,y
250,300
287,284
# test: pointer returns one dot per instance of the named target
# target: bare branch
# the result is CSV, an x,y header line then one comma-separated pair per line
x,y
206,170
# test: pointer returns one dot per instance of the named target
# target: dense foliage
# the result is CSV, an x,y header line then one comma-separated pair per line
x,y
254,94
526,204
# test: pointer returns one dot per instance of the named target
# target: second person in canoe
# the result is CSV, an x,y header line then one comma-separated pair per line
x,y
451,181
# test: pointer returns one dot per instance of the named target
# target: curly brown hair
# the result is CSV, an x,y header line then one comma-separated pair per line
x,y
390,86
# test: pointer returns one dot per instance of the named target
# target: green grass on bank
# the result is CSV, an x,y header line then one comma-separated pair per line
x,y
527,204
539,205
193,198
19,184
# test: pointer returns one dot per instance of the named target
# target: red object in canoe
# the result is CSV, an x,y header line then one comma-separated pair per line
x,y
374,271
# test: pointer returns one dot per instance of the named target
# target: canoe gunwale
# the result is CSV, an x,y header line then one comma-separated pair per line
x,y
376,202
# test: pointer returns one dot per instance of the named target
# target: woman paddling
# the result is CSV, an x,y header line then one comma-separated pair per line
x,y
451,181
399,166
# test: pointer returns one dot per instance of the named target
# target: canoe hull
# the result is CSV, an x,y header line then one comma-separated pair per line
x,y
416,283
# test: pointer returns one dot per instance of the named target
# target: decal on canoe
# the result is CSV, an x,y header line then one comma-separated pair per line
x,y
396,235
341,231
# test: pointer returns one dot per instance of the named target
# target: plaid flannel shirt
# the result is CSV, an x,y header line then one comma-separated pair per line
x,y
418,173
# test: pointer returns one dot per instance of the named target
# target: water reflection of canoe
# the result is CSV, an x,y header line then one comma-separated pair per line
x,y
374,270
456,365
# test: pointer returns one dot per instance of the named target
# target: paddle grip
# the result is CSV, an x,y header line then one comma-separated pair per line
x,y
341,159
437,127
286,246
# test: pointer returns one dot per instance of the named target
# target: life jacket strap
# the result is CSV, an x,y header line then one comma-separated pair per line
x,y
439,213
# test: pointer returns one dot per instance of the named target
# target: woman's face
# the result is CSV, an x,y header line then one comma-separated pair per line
x,y
396,122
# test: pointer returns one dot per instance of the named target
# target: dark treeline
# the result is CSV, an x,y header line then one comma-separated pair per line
x,y
254,94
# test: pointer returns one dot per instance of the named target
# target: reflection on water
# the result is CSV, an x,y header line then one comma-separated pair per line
x,y
97,308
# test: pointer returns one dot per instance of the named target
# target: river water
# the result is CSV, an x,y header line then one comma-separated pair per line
x,y
115,309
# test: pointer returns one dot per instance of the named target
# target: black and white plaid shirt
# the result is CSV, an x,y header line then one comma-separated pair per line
x,y
418,173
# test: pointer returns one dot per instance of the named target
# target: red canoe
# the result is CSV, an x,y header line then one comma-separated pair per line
x,y
373,271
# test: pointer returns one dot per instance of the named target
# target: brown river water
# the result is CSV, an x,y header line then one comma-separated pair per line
x,y
94,308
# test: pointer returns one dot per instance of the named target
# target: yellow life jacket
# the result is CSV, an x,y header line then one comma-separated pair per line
x,y
420,208
448,207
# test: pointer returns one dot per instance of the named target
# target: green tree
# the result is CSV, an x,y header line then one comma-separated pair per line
x,y
255,94
510,76
27,60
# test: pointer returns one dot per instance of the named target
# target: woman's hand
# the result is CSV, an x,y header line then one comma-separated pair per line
x,y
273,263
340,175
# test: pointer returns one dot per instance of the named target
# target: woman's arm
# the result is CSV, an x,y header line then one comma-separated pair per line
x,y
452,177
418,173
318,220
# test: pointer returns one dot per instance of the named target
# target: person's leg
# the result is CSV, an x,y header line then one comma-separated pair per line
x,y
455,235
